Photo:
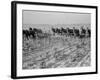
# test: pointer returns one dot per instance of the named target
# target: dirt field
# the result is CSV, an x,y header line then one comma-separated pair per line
x,y
56,52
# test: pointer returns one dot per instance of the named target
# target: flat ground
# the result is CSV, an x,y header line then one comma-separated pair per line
x,y
56,52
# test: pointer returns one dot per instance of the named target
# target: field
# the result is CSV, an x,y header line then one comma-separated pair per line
x,y
56,52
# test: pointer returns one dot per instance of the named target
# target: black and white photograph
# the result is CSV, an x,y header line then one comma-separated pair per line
x,y
53,39
56,39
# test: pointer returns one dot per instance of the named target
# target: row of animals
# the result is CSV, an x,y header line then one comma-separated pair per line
x,y
38,33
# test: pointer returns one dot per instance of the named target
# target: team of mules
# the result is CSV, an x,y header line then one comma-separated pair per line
x,y
81,33
68,32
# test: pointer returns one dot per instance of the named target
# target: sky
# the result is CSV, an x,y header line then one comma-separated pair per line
x,y
52,18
